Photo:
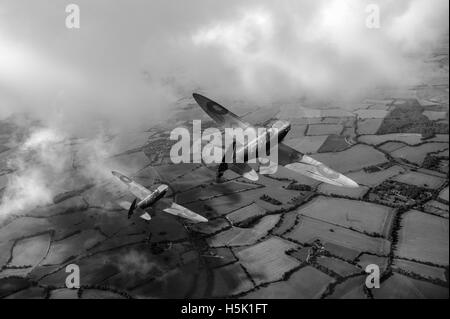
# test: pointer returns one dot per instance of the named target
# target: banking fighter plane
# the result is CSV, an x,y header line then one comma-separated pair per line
x,y
149,201
287,156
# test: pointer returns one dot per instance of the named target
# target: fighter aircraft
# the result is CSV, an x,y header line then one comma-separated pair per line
x,y
287,156
153,200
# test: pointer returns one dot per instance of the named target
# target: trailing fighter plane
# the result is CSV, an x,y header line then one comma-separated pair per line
x,y
153,200
287,156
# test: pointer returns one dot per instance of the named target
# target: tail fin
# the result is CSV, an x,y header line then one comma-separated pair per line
x,y
132,208
224,165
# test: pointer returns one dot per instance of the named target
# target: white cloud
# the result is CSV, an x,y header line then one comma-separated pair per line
x,y
129,61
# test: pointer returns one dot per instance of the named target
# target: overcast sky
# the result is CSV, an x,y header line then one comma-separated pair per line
x,y
130,59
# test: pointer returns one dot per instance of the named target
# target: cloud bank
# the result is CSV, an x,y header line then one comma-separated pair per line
x,y
131,60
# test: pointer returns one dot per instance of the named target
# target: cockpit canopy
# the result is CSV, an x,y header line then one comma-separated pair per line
x,y
282,126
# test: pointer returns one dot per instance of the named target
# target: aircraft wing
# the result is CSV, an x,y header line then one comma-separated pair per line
x,y
142,213
303,164
136,189
168,206
219,114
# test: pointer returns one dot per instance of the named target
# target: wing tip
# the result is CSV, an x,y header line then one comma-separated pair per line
x,y
351,183
202,219
198,97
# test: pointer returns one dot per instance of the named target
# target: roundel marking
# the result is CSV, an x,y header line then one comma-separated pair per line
x,y
216,108
125,179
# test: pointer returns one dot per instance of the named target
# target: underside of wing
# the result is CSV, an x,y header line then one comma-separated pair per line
x,y
136,189
219,114
306,165
139,191
168,206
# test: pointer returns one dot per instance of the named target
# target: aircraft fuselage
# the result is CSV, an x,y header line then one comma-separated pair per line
x,y
153,198
273,135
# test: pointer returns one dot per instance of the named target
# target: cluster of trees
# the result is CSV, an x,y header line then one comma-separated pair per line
x,y
408,118
372,169
270,200
432,162
299,187
399,190
377,168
